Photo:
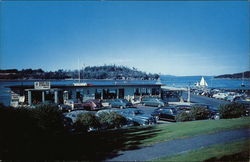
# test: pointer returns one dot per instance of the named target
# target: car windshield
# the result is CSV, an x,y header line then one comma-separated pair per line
x,y
138,112
125,101
174,111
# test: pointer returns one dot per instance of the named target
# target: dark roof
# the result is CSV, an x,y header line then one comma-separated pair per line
x,y
88,86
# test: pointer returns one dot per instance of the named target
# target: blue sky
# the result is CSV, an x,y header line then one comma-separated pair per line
x,y
176,38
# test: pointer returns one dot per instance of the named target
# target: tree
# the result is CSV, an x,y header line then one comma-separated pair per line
x,y
86,121
232,110
49,118
184,116
112,120
200,113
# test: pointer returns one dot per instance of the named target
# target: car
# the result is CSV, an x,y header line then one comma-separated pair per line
x,y
181,108
65,108
165,113
214,114
92,105
118,111
109,110
73,114
153,102
120,103
138,117
202,105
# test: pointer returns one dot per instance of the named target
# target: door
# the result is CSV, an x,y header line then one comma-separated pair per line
x,y
121,93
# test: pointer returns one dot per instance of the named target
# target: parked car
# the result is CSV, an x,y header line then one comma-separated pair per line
x,y
152,102
73,114
220,95
165,113
214,114
108,111
138,117
120,103
180,108
65,108
92,105
207,106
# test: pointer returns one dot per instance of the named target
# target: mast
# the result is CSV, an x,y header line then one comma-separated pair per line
x,y
243,77
79,71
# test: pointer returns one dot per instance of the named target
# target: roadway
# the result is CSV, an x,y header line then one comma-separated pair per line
x,y
214,103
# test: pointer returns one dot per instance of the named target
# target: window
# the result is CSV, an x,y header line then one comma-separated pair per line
x,y
137,92
109,94
98,94
155,91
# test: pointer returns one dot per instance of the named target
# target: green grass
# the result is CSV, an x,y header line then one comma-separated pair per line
x,y
167,132
232,151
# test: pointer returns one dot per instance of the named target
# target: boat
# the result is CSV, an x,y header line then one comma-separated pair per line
x,y
79,77
197,84
203,83
242,83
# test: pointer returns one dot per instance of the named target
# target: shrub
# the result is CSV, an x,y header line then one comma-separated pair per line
x,y
49,118
112,120
184,116
86,121
232,110
200,113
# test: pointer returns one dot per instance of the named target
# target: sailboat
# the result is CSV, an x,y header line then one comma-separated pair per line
x,y
197,84
242,83
79,77
203,83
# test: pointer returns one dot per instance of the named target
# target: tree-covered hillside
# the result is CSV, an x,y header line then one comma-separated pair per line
x,y
235,76
89,72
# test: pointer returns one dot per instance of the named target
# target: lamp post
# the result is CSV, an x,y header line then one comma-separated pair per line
x,y
188,99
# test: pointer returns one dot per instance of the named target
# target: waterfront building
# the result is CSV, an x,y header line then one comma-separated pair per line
x,y
44,92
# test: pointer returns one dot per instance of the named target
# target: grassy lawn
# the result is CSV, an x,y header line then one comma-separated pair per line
x,y
101,145
167,132
232,151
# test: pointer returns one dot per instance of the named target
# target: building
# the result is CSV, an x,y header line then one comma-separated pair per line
x,y
42,92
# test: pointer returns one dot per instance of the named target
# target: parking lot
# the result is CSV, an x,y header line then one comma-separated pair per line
x,y
148,110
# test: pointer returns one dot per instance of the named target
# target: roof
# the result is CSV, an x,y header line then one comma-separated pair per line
x,y
87,86
174,88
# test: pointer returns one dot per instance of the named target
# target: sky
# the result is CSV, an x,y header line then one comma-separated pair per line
x,y
166,37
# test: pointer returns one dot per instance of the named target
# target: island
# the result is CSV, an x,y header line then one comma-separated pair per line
x,y
113,72
241,75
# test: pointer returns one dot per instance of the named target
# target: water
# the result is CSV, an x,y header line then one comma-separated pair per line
x,y
168,80
185,81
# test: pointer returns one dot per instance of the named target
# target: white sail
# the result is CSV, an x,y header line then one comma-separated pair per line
x,y
197,84
203,83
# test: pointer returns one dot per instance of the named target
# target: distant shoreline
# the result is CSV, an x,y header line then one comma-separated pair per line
x,y
28,80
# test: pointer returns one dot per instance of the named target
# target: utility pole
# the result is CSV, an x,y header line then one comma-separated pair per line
x,y
188,99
